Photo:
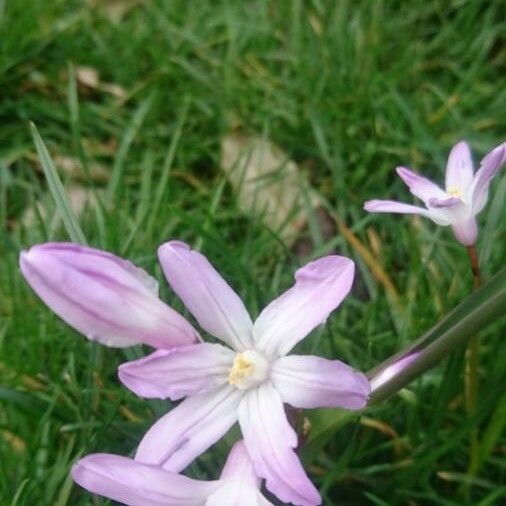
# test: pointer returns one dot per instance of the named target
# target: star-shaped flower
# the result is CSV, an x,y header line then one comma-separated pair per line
x,y
249,380
464,197
136,484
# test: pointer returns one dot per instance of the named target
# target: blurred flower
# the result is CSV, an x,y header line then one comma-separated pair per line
x,y
251,381
465,195
104,297
136,484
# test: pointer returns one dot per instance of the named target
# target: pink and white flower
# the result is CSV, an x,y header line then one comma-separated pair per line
x,y
104,297
464,196
249,380
137,484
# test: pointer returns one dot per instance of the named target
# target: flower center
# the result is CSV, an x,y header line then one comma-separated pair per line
x,y
248,370
455,192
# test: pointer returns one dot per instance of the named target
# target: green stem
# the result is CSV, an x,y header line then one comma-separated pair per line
x,y
471,377
473,314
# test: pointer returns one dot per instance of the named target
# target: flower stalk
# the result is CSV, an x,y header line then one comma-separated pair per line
x,y
476,312
471,377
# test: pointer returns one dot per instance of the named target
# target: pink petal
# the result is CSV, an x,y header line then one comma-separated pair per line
x,y
179,372
135,484
270,441
419,186
459,169
189,429
391,206
234,493
239,483
319,288
489,167
206,294
466,232
449,211
104,297
314,382
445,202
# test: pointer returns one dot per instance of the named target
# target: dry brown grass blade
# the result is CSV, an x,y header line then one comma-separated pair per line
x,y
80,199
385,429
374,265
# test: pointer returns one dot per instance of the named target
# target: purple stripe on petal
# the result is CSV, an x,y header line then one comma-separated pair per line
x,y
136,484
102,296
391,206
176,373
489,167
210,299
190,429
320,286
446,202
270,440
314,382
419,186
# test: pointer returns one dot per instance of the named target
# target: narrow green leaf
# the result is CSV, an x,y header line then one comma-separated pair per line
x,y
493,432
127,140
167,165
482,308
56,188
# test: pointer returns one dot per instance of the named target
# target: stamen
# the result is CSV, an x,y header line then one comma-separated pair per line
x,y
249,369
454,192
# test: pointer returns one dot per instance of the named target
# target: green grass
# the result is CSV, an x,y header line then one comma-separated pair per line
x,y
349,89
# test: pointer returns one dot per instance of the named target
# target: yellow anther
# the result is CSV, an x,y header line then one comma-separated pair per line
x,y
455,192
241,368
249,369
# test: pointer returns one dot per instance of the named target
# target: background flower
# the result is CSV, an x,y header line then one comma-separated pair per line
x,y
464,197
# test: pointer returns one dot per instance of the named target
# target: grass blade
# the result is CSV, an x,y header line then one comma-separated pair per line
x,y
56,188
129,136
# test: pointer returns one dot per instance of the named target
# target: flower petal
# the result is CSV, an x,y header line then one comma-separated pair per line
x,y
319,288
444,202
314,382
466,232
104,297
270,441
136,484
234,493
240,485
179,372
391,206
449,211
419,186
489,167
239,465
189,429
459,169
206,294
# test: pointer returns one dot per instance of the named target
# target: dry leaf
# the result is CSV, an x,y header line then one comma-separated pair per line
x,y
114,89
87,76
80,200
266,181
386,429
114,10
72,167
17,444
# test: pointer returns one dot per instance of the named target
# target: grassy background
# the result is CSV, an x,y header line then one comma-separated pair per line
x,y
349,89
